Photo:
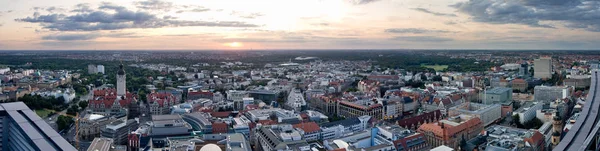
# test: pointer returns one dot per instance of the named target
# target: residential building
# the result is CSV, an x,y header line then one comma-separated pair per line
x,y
22,129
488,114
497,95
450,131
100,69
578,82
542,68
551,93
339,128
310,131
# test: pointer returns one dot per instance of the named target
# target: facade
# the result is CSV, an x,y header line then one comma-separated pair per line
x,y
337,129
382,138
359,108
160,103
413,123
497,95
169,125
488,114
520,85
91,125
450,131
264,95
119,129
542,68
310,131
528,111
551,93
238,98
578,82
92,69
106,102
295,101
22,129
100,69
200,95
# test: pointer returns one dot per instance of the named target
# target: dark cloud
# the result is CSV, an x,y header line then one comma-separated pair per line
x,y
71,37
413,31
54,9
433,13
575,14
421,39
113,17
154,5
361,2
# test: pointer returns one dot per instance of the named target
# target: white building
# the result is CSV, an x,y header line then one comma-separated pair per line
x,y
121,77
528,111
92,69
295,100
100,69
237,97
487,113
4,70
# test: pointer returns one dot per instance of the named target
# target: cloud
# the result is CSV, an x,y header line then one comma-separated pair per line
x,y
113,17
413,31
246,15
450,23
55,9
82,8
574,14
86,36
422,39
433,13
71,37
361,2
193,8
320,24
154,5
5,12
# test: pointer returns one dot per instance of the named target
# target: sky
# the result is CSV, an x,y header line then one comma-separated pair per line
x,y
298,24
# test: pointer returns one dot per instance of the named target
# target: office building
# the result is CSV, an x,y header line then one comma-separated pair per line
x,y
497,95
358,108
524,70
118,130
337,129
551,93
509,138
169,125
22,129
542,68
488,114
528,111
295,101
279,137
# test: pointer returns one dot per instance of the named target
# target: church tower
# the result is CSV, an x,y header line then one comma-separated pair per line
x,y
121,88
557,127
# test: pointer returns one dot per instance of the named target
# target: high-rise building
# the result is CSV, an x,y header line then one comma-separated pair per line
x,y
121,81
551,93
100,69
542,68
92,69
524,70
22,129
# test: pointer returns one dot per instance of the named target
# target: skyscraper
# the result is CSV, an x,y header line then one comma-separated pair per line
x,y
121,81
22,129
542,68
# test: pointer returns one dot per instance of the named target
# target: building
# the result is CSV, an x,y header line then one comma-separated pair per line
x,y
160,103
488,114
295,101
528,111
509,138
237,97
92,69
551,93
264,95
310,131
100,69
542,68
119,129
382,138
22,129
237,142
191,95
497,95
279,137
169,125
524,70
121,81
339,128
358,108
520,85
107,102
102,144
413,123
91,125
199,121
450,131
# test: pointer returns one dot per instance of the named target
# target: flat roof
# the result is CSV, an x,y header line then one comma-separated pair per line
x,y
101,144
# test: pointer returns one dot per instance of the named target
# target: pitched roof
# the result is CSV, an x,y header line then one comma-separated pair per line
x,y
308,127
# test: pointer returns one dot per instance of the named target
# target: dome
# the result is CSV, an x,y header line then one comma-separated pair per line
x,y
121,70
210,147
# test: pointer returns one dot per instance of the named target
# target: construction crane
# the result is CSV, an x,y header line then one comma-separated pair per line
x,y
76,120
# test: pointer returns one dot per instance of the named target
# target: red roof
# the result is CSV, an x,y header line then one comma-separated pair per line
x,y
308,127
108,97
219,127
423,118
221,114
267,122
160,98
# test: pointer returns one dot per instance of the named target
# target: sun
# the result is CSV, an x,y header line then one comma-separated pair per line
x,y
234,44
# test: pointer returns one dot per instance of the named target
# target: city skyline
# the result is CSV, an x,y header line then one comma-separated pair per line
x,y
306,24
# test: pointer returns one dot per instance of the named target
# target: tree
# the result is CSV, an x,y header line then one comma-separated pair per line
x,y
423,77
63,122
73,110
83,104
437,78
